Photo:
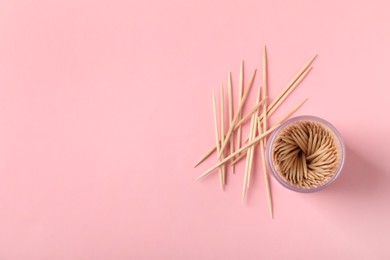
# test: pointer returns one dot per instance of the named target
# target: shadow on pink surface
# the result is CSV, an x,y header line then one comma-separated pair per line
x,y
360,177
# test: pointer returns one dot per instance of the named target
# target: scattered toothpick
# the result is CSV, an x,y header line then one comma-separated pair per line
x,y
248,163
217,136
252,135
240,90
230,97
250,152
223,133
272,107
263,142
258,130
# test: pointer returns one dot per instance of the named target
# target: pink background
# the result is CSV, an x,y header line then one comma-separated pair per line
x,y
106,106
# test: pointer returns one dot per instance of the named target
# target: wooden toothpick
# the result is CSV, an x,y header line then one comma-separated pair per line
x,y
217,135
230,97
209,152
263,142
240,90
223,133
251,136
247,165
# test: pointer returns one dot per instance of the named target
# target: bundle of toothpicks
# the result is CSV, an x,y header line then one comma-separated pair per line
x,y
228,146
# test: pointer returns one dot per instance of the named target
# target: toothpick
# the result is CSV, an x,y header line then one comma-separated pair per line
x,y
209,152
251,151
247,165
265,89
240,90
251,136
230,97
263,142
249,159
223,133
217,136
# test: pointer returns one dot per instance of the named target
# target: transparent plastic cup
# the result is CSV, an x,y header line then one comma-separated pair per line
x,y
323,123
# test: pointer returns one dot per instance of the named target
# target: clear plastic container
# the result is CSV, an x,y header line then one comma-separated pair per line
x,y
324,123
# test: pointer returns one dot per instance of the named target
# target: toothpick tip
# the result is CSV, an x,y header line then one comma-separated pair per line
x,y
201,177
198,163
314,57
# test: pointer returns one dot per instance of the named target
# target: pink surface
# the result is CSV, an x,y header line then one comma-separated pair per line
x,y
106,105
